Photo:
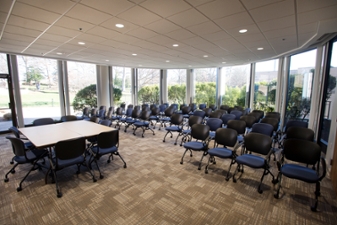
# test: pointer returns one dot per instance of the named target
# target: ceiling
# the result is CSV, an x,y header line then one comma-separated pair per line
x,y
207,31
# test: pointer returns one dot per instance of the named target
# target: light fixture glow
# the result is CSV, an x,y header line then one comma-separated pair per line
x,y
140,65
175,45
59,53
134,54
259,49
205,56
119,25
223,62
81,43
243,31
107,60
167,60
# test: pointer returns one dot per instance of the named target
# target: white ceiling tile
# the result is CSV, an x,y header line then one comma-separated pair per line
x,y
111,24
90,38
273,11
47,43
5,6
113,7
239,20
103,32
166,8
317,15
18,37
124,38
280,33
216,36
221,8
84,13
142,32
278,23
308,28
27,23
188,18
208,27
56,30
249,4
132,15
198,2
180,34
74,24
162,26
310,5
20,30
3,17
161,40
246,38
59,6
34,13
251,29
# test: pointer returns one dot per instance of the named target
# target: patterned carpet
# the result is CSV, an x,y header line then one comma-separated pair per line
x,y
156,189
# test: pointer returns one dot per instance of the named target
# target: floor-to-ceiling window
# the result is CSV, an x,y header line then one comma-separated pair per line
x,y
38,88
330,95
176,82
122,80
265,85
205,85
301,73
82,85
236,85
5,111
148,86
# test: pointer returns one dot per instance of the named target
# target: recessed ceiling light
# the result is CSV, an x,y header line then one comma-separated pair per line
x,y
107,60
205,56
119,25
189,66
140,65
167,60
59,53
243,31
81,43
223,62
134,54
259,49
175,45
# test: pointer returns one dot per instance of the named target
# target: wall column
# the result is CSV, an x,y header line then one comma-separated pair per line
x,y
102,88
163,96
190,88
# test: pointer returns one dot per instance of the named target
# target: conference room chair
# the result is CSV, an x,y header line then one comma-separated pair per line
x,y
225,147
282,135
24,156
225,118
110,112
263,128
199,142
208,112
214,124
68,118
300,133
202,106
275,115
215,114
259,112
250,121
155,116
239,126
213,107
130,117
187,132
143,122
257,150
105,122
85,114
237,113
301,161
176,125
193,106
107,144
274,121
162,109
166,118
185,111
118,115
68,153
93,112
199,113
43,121
27,143
101,113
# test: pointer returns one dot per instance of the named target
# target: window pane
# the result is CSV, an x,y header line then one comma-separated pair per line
x,y
38,88
205,86
176,82
236,88
122,80
148,86
330,95
265,85
80,76
3,63
300,85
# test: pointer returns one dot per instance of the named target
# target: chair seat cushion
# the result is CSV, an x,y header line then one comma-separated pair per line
x,y
299,172
186,131
212,134
31,156
195,145
153,118
141,124
251,161
221,152
68,162
173,128
103,151
165,119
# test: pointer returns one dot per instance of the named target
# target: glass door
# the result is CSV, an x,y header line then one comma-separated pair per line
x,y
5,111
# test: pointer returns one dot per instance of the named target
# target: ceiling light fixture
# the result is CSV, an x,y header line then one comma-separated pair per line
x,y
134,54
175,45
223,62
119,25
243,31
59,53
81,43
107,60
167,60
205,56
259,49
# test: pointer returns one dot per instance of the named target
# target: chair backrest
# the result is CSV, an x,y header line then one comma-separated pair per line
x,y
213,107
226,137
68,118
93,112
94,119
199,113
15,131
272,121
263,128
145,107
136,112
215,114
257,116
155,111
177,119
224,107
110,112
152,106
182,106
250,120
258,143
259,111
295,123
128,112
106,122
102,107
119,111
70,149
85,112
202,106
18,146
186,110
43,121
207,111
101,113
237,113
169,111
302,151
275,115
194,120
246,111
238,125
214,123
108,139
122,105
145,115
162,108
200,132
175,106
300,133
193,106
226,117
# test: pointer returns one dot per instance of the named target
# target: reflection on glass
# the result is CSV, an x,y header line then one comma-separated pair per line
x,y
176,81
265,85
148,86
330,95
122,81
236,86
205,86
3,63
82,85
300,86
39,88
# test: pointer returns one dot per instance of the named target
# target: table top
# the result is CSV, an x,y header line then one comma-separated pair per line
x,y
48,135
